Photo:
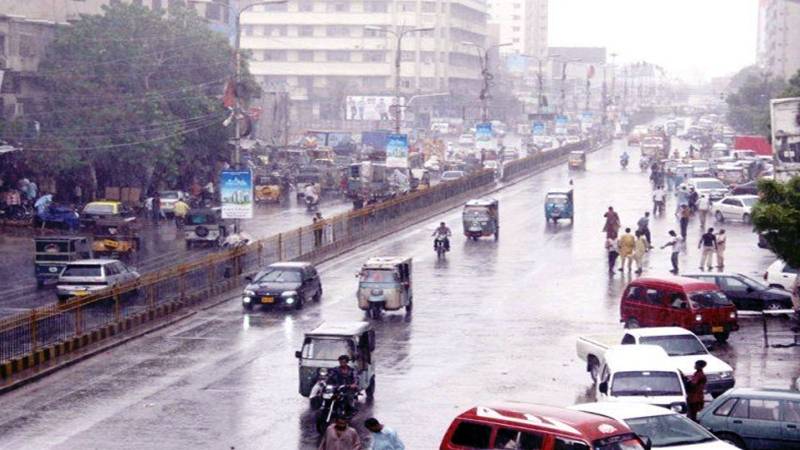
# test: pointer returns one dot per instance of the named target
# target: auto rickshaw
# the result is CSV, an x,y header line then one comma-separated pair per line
x,y
559,204
307,175
577,160
384,282
205,226
116,237
323,346
268,189
481,217
54,252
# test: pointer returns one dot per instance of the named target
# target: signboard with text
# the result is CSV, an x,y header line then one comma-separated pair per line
x,y
483,131
236,193
372,107
538,128
397,151
785,125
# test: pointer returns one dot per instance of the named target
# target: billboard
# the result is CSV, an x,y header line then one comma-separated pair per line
x,y
538,128
397,151
561,124
483,131
236,193
785,118
371,107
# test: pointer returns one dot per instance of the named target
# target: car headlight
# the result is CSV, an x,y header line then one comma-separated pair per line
x,y
678,407
726,374
248,293
698,318
246,299
288,294
733,314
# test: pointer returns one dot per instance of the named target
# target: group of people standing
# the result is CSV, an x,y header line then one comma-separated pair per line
x,y
629,248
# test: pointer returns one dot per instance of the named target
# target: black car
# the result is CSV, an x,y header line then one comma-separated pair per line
x,y
749,188
284,283
747,293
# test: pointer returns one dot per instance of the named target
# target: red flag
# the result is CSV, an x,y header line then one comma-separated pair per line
x,y
229,99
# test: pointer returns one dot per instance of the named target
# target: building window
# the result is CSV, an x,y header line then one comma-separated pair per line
x,y
516,17
407,55
247,30
429,7
275,30
305,30
427,83
275,7
274,55
373,33
338,7
517,6
305,55
407,6
427,57
338,56
305,6
337,31
374,56
516,29
374,83
376,6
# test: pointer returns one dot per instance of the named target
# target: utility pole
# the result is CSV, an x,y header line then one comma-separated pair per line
x,y
483,58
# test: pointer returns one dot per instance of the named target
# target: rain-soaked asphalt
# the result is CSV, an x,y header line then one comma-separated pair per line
x,y
162,246
494,321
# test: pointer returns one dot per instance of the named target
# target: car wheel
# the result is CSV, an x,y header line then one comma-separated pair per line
x,y
732,439
318,295
718,215
722,337
631,323
772,306
746,218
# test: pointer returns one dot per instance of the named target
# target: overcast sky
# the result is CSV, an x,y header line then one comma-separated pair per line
x,y
692,39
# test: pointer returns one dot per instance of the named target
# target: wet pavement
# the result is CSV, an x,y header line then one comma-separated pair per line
x,y
162,246
495,320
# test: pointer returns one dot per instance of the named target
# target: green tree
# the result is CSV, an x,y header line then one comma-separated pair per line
x,y
748,104
133,98
777,215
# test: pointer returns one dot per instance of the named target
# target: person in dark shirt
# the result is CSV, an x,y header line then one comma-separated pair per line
x,y
696,386
708,245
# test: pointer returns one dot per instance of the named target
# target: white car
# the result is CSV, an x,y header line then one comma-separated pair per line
x,y
735,207
466,139
169,198
88,276
452,175
666,429
713,188
779,274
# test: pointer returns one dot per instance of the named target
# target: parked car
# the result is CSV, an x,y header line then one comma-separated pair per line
x,y
88,276
745,292
283,283
168,200
528,426
700,167
749,188
641,374
664,428
103,210
755,418
452,175
682,346
713,188
735,207
780,274
695,305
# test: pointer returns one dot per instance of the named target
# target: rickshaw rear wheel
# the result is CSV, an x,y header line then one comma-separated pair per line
x,y
371,388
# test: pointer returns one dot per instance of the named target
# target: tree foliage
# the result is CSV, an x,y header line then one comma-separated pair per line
x,y
133,98
748,105
777,215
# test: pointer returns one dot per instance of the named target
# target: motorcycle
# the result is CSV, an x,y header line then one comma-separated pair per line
x,y
440,245
334,401
311,203
644,163
623,162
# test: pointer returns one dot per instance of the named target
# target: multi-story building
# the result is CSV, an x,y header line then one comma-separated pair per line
x,y
779,37
523,25
26,27
322,51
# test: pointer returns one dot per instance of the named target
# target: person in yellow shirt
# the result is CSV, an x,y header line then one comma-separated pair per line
x,y
181,209
626,243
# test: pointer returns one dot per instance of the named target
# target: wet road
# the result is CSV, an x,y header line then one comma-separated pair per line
x,y
162,246
494,321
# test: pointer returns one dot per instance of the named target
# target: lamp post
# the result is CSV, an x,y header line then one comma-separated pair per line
x,y
540,79
483,56
397,60
564,83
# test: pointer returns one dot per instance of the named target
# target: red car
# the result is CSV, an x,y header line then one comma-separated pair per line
x,y
527,426
696,305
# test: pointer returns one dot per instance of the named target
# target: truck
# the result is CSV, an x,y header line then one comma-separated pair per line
x,y
682,346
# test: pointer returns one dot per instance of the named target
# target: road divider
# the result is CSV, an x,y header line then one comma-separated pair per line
x,y
49,334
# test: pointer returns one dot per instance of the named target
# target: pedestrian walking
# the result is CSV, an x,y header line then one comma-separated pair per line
x,y
156,210
383,437
683,216
643,227
670,180
708,245
626,244
722,239
613,252
180,211
318,224
695,387
340,436
612,224
703,205
641,247
675,242
659,200
693,198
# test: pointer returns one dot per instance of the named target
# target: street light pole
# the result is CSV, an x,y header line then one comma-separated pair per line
x,y
483,58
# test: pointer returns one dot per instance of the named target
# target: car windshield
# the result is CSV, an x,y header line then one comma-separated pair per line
x,y
169,195
377,276
92,270
645,383
669,430
327,349
710,184
557,199
96,208
679,345
749,201
199,219
278,276
709,299
476,212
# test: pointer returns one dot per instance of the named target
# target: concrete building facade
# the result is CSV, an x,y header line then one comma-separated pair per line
x,y
779,37
523,24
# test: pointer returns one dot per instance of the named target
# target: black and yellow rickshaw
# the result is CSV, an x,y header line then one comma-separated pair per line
x,y
116,237
268,188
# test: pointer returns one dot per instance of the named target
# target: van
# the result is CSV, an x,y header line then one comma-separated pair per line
x,y
529,426
641,374
696,305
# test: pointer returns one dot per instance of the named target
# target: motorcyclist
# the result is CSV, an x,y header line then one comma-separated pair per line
x,y
443,232
311,193
344,375
623,159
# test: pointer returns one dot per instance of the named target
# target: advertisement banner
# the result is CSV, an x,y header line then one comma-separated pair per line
x,y
397,151
586,121
561,124
538,128
236,192
372,107
483,131
785,118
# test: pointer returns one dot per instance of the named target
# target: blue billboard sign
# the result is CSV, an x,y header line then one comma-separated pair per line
x,y
236,193
397,151
483,131
538,128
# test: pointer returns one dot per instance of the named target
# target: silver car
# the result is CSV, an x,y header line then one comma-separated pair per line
x,y
88,276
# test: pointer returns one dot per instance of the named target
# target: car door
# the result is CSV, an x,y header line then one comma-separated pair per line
x,y
758,422
790,423
738,292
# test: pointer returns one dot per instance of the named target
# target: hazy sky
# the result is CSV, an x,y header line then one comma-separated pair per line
x,y
690,38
